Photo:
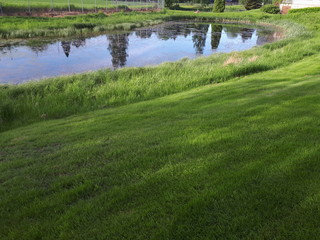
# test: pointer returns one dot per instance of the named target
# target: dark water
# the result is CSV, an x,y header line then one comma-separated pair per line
x,y
150,46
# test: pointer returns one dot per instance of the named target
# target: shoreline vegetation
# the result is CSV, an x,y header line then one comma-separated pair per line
x,y
219,147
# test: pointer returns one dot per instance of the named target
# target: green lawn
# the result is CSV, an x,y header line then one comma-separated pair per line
x,y
192,150
63,4
235,160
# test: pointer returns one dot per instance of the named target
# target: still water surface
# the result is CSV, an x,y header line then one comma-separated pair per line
x,y
149,46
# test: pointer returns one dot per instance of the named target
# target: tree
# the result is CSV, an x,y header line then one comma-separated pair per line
x,y
168,3
252,4
219,5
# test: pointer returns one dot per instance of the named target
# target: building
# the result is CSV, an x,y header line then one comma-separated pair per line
x,y
294,4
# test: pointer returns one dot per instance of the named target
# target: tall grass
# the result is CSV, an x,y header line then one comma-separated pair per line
x,y
25,27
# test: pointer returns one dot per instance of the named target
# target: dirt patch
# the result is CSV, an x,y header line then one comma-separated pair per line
x,y
253,59
232,60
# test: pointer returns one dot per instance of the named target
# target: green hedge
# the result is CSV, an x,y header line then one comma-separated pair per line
x,y
269,8
305,10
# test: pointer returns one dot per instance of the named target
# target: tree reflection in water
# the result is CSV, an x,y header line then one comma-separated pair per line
x,y
172,31
79,42
66,45
39,49
144,33
118,45
216,31
199,37
246,34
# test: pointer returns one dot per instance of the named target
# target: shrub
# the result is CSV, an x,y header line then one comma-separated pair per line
x,y
176,7
124,7
305,10
269,8
83,25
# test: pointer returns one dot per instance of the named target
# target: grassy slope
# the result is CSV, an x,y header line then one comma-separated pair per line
x,y
235,160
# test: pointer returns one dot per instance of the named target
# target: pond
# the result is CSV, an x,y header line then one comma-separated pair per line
x,y
141,47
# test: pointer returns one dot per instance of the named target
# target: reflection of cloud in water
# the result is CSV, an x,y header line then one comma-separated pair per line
x,y
145,48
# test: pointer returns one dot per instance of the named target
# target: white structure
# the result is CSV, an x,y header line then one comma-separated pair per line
x,y
294,4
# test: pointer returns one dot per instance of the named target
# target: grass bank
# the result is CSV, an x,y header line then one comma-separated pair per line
x,y
234,160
